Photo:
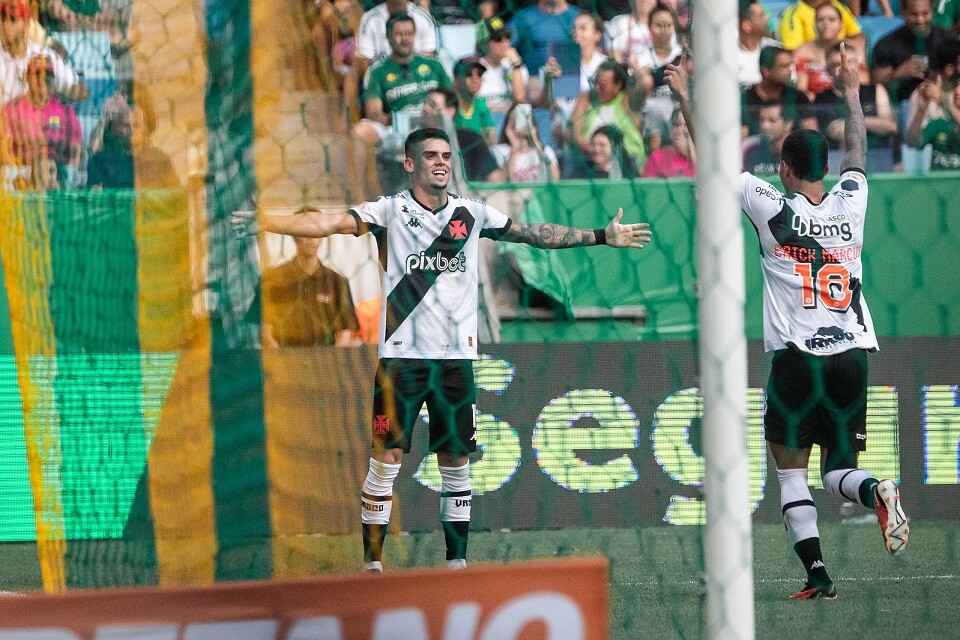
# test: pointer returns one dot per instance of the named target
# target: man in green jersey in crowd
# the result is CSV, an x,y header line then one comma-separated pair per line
x,y
399,83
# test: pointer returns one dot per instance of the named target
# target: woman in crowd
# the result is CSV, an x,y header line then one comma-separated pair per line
x,y
127,159
679,159
607,157
528,160
588,36
648,68
42,138
608,104
629,33
810,58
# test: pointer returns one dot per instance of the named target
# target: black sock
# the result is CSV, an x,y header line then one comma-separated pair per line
x,y
812,559
455,534
373,536
866,492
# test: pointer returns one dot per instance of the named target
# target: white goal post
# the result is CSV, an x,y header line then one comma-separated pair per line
x,y
728,548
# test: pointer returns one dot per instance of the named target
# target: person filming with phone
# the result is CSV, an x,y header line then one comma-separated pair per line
x,y
901,59
529,160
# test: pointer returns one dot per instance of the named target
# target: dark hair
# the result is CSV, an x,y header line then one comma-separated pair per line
x,y
768,55
449,97
620,75
506,122
946,54
744,8
612,132
805,152
403,16
659,8
422,135
597,23
618,153
772,105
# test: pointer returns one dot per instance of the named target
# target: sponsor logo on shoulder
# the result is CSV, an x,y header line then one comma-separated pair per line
x,y
773,194
827,337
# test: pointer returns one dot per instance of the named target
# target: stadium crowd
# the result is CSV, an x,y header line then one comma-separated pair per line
x,y
557,90
45,142
551,90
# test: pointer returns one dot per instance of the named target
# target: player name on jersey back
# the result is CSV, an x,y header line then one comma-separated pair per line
x,y
810,257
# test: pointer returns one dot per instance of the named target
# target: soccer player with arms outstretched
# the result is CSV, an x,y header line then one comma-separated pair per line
x,y
818,326
428,241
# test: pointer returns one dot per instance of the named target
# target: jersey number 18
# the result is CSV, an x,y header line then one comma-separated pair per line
x,y
831,284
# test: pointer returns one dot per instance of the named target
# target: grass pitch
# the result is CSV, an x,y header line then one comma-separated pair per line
x,y
656,588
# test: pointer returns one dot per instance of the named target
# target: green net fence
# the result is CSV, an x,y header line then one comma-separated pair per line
x,y
148,438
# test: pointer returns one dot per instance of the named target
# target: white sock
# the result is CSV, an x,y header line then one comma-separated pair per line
x,y
799,511
455,493
375,501
845,483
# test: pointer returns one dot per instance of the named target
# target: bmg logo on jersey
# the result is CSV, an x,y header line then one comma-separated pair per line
x,y
826,229
422,262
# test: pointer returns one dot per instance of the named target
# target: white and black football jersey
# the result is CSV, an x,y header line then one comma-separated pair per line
x,y
428,263
810,257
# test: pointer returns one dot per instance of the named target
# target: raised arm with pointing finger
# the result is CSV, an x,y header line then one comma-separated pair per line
x,y
854,126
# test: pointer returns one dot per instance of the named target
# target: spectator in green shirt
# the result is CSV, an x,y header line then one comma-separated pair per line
x,y
946,14
473,113
942,133
400,82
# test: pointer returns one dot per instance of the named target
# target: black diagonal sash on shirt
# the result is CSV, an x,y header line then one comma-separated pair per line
x,y
413,287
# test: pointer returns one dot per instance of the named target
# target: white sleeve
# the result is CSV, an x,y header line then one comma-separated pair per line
x,y
372,214
366,38
494,224
426,40
761,200
616,33
65,76
852,187
550,154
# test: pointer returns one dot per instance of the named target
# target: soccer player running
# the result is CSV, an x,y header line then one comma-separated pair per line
x,y
818,326
428,241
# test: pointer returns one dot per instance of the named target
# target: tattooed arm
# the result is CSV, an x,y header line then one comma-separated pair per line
x,y
546,235
854,126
